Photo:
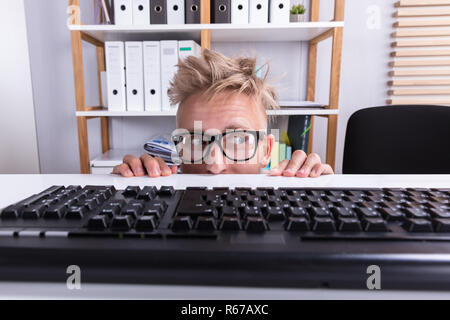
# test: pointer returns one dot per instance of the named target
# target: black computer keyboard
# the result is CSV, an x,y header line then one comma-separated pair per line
x,y
264,236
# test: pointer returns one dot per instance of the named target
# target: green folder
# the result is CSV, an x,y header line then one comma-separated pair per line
x,y
282,151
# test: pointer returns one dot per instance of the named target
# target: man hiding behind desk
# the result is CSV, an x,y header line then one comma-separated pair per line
x,y
222,123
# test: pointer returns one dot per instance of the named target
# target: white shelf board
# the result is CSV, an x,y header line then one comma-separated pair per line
x,y
113,157
220,32
281,112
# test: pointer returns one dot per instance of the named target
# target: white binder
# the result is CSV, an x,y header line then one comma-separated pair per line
x,y
134,76
259,11
175,12
279,11
141,12
123,12
152,75
115,75
169,59
188,48
239,11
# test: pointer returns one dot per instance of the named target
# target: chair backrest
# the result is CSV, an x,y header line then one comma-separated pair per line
x,y
398,140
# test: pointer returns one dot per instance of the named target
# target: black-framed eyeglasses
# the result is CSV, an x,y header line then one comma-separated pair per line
x,y
236,145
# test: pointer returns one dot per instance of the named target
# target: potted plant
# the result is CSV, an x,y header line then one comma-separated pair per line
x,y
297,13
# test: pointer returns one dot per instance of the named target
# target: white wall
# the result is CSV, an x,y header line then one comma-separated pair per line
x,y
18,144
364,69
363,79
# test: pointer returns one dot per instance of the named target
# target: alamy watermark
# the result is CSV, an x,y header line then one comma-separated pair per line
x,y
73,282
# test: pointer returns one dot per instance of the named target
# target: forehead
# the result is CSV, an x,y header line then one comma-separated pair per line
x,y
223,111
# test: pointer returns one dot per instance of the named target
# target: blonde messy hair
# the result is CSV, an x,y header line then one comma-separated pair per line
x,y
213,73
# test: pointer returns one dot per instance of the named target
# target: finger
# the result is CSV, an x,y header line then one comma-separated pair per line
x,y
151,165
321,169
297,160
279,169
123,169
165,170
316,170
307,166
174,169
135,165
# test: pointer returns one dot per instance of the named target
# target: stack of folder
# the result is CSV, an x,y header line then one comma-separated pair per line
x,y
146,12
138,73
280,152
250,11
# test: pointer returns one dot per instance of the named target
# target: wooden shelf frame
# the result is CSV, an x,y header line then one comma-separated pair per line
x,y
84,113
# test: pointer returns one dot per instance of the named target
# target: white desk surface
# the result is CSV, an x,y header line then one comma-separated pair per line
x,y
14,188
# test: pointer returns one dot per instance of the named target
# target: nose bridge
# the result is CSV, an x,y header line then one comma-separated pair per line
x,y
215,155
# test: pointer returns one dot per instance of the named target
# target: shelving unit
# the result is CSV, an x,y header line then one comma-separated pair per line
x,y
313,32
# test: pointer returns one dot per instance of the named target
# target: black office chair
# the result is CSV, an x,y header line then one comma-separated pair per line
x,y
398,140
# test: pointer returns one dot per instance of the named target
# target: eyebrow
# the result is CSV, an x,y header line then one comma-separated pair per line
x,y
232,126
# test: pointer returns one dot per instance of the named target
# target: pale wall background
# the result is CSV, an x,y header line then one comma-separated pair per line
x,y
18,144
363,79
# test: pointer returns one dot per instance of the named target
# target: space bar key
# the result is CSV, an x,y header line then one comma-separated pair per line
x,y
196,209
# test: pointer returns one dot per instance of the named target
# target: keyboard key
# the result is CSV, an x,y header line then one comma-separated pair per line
x,y
157,204
274,214
392,215
323,225
166,191
256,224
33,212
374,225
196,210
367,213
252,212
319,213
206,224
299,224
122,223
440,213
146,223
349,225
132,210
417,213
147,193
417,225
98,222
339,212
55,212
75,213
115,203
442,225
297,212
230,212
155,212
182,223
11,212
131,191
229,223
110,210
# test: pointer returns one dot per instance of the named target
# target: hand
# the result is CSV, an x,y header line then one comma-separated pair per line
x,y
146,164
301,166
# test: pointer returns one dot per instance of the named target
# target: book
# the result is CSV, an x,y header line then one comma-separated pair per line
x,y
288,152
298,131
275,155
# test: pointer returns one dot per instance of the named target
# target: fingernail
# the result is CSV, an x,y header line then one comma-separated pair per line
x,y
139,170
155,172
302,171
313,172
128,172
167,172
290,170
